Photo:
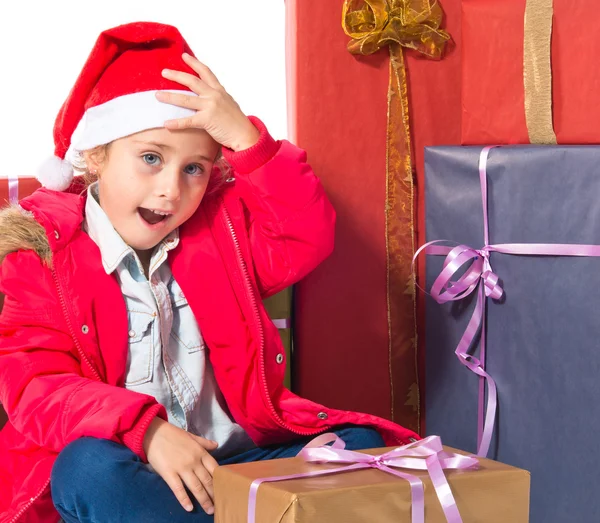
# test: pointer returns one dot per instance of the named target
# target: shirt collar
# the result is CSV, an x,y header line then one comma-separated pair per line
x,y
113,248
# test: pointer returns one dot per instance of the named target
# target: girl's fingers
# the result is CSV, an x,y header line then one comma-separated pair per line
x,y
209,463
207,481
176,485
182,100
207,444
197,489
203,71
189,80
180,123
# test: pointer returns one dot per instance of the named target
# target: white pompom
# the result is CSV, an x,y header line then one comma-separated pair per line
x,y
55,174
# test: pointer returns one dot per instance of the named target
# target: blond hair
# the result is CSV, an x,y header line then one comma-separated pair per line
x,y
80,166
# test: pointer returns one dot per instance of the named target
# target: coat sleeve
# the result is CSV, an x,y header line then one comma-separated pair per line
x,y
42,386
290,219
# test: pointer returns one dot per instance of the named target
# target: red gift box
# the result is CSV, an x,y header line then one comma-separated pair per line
x,y
493,53
26,186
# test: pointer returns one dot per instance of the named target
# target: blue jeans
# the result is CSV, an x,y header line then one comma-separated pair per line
x,y
95,480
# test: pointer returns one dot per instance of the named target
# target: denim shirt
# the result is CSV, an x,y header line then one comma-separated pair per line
x,y
167,355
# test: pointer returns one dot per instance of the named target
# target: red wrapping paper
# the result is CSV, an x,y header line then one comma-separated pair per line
x,y
493,97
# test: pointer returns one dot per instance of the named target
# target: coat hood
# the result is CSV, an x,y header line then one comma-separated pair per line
x,y
19,230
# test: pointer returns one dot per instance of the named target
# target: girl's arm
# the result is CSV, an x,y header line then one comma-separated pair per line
x,y
290,221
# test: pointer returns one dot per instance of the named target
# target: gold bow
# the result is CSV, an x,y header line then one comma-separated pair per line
x,y
408,23
414,24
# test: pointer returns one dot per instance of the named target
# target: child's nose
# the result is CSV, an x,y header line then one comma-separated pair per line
x,y
169,184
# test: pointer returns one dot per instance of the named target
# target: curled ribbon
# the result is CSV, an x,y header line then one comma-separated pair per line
x,y
479,276
397,24
427,454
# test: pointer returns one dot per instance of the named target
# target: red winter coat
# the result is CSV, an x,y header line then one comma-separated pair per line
x,y
63,329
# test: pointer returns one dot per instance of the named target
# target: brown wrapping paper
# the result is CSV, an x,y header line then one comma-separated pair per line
x,y
496,493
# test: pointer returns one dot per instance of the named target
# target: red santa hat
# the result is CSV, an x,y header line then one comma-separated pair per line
x,y
114,95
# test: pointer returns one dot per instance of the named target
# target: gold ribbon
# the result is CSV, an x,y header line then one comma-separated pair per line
x,y
537,71
413,24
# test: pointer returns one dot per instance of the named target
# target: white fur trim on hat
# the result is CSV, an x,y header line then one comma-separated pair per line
x,y
123,116
55,174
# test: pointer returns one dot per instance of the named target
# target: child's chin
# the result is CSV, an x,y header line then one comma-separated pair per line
x,y
143,239
144,244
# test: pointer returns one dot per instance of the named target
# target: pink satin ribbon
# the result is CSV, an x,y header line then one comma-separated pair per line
x,y
479,276
427,454
13,189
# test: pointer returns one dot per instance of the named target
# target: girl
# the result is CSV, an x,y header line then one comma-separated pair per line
x,y
135,353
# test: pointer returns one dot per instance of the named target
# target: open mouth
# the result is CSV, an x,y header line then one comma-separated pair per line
x,y
153,216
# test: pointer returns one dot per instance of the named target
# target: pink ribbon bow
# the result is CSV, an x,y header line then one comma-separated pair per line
x,y
427,454
479,275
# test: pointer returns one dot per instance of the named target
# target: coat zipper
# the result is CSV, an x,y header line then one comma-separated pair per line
x,y
63,304
31,502
253,301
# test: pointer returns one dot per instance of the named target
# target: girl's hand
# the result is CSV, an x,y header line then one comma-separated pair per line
x,y
182,459
216,111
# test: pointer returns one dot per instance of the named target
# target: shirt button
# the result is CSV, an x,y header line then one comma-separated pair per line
x,y
279,358
131,333
322,415
85,329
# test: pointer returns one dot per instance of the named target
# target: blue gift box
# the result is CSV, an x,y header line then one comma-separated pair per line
x,y
543,337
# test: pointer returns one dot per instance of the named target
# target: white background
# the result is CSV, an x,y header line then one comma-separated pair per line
x,y
43,46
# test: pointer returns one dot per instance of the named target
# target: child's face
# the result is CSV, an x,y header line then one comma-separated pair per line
x,y
153,181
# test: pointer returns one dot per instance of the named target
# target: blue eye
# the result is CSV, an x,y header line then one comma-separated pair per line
x,y
151,159
194,169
